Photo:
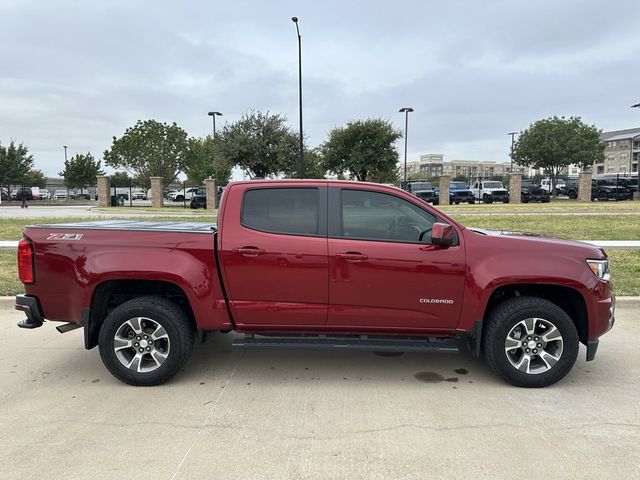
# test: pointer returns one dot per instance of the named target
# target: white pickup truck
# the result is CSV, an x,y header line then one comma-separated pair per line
x,y
489,191
545,184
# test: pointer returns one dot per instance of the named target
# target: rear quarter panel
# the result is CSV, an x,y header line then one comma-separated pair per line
x,y
68,271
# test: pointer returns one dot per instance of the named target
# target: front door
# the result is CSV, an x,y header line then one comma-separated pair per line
x,y
383,271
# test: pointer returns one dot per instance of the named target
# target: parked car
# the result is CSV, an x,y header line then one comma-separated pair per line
x,y
181,195
139,195
318,264
560,186
532,192
22,193
490,191
44,194
424,191
628,182
606,189
4,195
459,192
60,195
570,189
199,200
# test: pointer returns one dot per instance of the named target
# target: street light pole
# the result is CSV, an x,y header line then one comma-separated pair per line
x,y
295,20
637,194
513,134
213,115
406,111
65,153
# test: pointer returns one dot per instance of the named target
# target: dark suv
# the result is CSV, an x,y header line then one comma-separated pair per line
x,y
532,192
606,189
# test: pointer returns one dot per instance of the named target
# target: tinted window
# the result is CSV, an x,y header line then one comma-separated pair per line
x,y
282,210
378,216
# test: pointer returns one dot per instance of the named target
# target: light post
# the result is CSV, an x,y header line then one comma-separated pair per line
x,y
65,153
513,134
637,193
295,20
406,111
213,115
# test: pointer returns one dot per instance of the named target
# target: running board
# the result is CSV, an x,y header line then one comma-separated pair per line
x,y
361,342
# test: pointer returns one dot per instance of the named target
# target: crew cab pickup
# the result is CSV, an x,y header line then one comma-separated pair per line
x,y
317,264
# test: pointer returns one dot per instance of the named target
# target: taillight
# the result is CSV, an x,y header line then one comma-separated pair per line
x,y
25,262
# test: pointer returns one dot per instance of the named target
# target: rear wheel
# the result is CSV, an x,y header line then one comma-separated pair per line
x,y
530,342
146,341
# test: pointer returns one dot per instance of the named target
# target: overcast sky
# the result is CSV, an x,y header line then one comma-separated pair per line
x,y
78,73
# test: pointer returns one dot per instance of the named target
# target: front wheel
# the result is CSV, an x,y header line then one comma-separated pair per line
x,y
530,342
146,341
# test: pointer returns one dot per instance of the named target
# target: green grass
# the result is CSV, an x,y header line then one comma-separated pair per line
x,y
9,283
625,268
555,206
574,227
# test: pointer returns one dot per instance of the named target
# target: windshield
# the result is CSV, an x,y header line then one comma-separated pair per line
x,y
492,185
459,185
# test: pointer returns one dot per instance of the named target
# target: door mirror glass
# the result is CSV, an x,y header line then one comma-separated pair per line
x,y
442,234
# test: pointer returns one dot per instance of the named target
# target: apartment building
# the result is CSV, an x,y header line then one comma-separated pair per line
x,y
621,153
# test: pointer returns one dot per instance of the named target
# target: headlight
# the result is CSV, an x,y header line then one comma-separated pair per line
x,y
600,269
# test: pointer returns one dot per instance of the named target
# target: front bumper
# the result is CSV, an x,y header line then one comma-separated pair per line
x,y
29,305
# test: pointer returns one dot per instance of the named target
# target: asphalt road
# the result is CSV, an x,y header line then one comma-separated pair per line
x,y
307,414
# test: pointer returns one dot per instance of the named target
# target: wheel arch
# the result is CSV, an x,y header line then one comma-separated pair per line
x,y
111,293
567,298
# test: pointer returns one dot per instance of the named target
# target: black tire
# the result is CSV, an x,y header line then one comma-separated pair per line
x,y
165,313
508,315
573,195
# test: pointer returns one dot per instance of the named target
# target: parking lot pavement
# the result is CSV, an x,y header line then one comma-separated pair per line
x,y
307,414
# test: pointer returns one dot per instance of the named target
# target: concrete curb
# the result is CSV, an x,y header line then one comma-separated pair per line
x,y
628,302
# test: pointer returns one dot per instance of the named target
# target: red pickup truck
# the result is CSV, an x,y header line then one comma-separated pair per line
x,y
318,264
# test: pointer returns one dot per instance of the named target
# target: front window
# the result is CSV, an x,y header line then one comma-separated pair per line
x,y
379,216
492,185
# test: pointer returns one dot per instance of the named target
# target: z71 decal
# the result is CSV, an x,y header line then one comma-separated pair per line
x,y
64,236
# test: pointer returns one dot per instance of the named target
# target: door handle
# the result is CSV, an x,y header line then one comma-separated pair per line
x,y
249,251
352,256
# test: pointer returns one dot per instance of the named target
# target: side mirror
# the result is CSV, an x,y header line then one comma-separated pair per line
x,y
442,234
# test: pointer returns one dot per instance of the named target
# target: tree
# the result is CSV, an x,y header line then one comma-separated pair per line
x,y
261,144
313,165
204,161
15,164
363,149
120,179
35,178
555,143
81,171
149,149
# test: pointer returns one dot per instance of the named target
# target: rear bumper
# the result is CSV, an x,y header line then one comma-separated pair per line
x,y
30,307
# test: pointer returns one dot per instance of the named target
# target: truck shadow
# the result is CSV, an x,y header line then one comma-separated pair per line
x,y
216,360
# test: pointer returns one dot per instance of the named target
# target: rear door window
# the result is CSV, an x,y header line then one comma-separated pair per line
x,y
291,211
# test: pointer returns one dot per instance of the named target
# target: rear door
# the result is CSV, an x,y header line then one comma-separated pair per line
x,y
384,273
274,255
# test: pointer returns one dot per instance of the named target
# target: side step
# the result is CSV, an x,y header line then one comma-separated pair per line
x,y
359,342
